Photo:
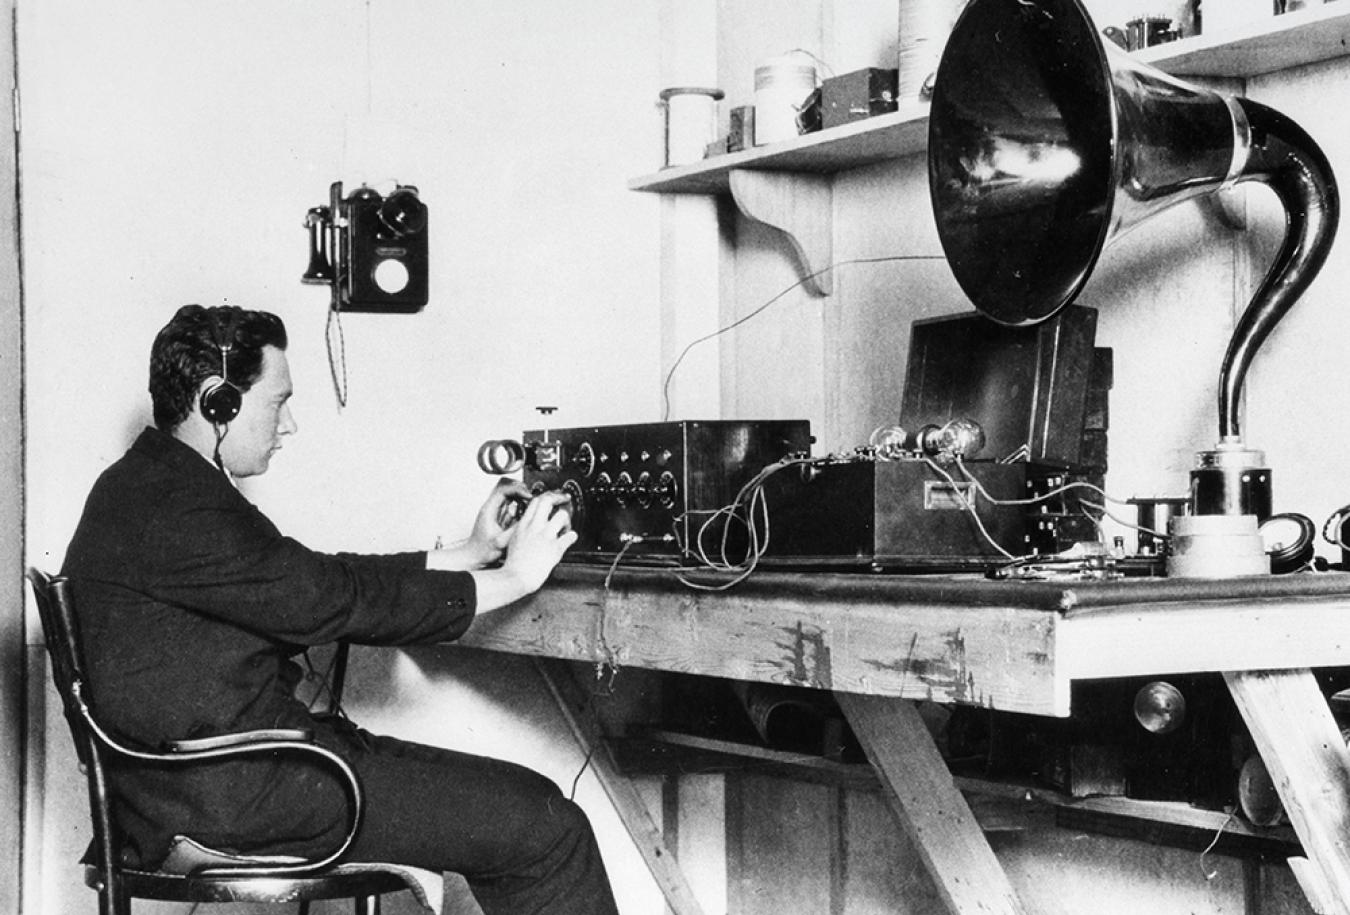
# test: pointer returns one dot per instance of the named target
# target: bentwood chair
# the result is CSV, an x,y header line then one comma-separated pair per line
x,y
194,872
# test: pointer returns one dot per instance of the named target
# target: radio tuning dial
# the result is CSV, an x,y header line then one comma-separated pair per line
x,y
667,490
623,489
584,460
577,507
643,490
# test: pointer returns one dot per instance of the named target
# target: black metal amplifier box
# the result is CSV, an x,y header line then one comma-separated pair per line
x,y
1028,387
645,489
902,515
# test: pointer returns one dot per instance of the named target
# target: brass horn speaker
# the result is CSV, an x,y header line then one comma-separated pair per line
x,y
1045,144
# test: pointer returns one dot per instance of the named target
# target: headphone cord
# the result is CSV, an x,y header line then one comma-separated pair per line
x,y
222,429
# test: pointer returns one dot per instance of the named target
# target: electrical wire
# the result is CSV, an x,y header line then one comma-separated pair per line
x,y
665,387
337,362
1059,490
829,70
713,544
576,779
969,506
324,700
979,488
617,559
749,509
222,430
1210,873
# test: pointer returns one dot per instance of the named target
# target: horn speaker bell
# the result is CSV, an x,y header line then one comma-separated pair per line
x,y
1045,144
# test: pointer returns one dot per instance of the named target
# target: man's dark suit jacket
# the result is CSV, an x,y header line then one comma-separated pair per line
x,y
193,607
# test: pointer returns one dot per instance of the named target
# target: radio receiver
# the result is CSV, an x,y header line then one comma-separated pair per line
x,y
654,489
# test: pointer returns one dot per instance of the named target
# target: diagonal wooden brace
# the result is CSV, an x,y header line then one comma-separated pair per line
x,y
1305,754
929,806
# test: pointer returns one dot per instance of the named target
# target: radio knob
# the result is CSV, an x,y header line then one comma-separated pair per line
x,y
667,490
584,459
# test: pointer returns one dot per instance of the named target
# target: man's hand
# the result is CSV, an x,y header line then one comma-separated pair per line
x,y
540,537
536,544
493,528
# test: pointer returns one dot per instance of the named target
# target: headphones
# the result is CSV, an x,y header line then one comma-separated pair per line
x,y
221,401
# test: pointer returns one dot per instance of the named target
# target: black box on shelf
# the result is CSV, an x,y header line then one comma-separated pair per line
x,y
741,128
857,95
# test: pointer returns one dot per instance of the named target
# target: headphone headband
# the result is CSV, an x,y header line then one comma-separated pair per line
x,y
220,402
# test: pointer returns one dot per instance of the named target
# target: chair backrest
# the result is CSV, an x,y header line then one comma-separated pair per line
x,y
61,633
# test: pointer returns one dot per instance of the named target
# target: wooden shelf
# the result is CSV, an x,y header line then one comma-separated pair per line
x,y
1308,36
1305,37
999,805
886,136
788,187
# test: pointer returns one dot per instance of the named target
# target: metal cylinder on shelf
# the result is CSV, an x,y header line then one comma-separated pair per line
x,y
782,86
690,122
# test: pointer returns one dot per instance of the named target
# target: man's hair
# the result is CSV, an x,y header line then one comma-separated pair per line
x,y
187,351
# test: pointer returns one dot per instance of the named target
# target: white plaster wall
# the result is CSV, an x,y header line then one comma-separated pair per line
x,y
169,154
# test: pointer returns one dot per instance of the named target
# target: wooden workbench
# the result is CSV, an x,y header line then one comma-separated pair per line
x,y
876,640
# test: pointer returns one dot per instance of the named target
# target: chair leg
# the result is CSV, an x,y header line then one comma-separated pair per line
x,y
368,905
112,901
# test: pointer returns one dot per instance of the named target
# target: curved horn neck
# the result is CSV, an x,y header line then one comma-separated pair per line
x,y
1287,160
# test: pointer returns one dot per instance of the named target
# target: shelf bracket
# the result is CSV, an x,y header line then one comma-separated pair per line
x,y
801,207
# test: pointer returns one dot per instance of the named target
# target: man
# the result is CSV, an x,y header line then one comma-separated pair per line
x,y
193,607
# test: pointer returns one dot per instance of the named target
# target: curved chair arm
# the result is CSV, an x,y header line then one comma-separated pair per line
x,y
239,739
245,743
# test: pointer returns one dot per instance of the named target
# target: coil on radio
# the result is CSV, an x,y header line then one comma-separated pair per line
x,y
501,456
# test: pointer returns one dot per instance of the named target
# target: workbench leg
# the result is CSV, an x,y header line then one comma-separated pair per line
x,y
929,805
632,810
1303,750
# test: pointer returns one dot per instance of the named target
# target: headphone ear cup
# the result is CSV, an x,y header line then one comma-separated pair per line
x,y
1289,540
220,403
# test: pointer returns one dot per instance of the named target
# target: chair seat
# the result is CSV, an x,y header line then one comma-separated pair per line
x,y
343,881
187,857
